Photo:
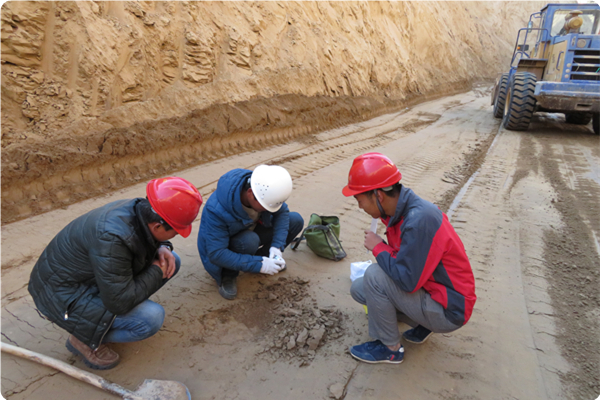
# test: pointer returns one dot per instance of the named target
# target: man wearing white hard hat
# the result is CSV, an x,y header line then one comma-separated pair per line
x,y
246,225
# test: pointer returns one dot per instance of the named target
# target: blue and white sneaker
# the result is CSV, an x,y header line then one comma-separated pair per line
x,y
417,335
376,352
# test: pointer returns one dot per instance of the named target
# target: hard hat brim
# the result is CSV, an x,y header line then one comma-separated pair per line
x,y
266,206
346,191
269,209
184,232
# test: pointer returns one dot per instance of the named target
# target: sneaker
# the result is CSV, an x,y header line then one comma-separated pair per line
x,y
377,352
101,358
228,288
417,335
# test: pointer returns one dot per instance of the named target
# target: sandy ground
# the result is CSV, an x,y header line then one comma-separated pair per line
x,y
528,217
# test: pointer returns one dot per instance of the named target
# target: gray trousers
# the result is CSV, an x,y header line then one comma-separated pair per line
x,y
387,304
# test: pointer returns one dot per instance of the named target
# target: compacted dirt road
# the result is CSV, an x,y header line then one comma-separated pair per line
x,y
524,203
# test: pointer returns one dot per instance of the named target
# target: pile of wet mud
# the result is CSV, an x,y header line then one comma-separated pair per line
x,y
299,328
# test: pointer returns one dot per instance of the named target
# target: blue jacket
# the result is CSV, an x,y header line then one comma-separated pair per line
x,y
224,216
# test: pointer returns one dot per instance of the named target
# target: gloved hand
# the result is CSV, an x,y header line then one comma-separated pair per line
x,y
276,254
271,266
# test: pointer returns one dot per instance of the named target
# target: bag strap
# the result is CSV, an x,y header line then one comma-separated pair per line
x,y
334,244
296,241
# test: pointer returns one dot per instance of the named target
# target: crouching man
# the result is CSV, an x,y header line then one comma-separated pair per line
x,y
246,225
95,277
422,276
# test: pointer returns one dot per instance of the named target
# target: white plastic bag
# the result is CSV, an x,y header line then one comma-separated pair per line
x,y
357,269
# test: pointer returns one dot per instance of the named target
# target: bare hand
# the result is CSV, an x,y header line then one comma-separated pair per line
x,y
372,240
166,262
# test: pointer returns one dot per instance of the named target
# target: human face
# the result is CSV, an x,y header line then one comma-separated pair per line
x,y
160,233
254,204
368,204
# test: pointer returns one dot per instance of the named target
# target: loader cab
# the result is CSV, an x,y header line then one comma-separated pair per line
x,y
549,24
572,55
549,50
556,21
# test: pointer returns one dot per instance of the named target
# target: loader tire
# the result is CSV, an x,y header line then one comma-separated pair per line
x,y
596,123
578,118
520,103
500,97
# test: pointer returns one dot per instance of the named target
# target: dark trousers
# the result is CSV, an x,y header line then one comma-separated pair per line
x,y
258,241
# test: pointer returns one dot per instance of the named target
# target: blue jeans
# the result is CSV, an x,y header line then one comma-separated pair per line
x,y
250,242
143,321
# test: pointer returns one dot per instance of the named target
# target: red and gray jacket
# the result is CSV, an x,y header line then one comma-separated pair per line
x,y
425,252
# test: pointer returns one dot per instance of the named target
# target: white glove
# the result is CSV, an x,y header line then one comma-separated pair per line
x,y
276,254
271,266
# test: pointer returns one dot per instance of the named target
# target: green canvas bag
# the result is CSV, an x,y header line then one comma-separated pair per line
x,y
322,237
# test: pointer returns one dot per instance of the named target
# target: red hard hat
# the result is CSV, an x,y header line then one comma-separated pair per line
x,y
371,171
176,200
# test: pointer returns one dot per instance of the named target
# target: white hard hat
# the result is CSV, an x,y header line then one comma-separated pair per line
x,y
271,185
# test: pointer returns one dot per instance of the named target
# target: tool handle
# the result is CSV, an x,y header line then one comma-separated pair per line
x,y
70,370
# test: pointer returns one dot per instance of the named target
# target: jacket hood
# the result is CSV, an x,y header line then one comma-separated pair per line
x,y
229,189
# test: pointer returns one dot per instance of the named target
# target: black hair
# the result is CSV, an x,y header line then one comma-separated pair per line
x,y
393,192
151,216
246,185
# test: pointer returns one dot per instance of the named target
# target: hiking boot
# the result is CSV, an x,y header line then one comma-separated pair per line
x,y
417,335
377,352
228,288
102,358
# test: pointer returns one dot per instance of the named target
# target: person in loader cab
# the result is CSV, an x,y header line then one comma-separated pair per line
x,y
246,225
422,275
572,24
95,277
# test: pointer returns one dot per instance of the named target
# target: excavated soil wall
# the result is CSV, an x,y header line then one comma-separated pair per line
x,y
99,95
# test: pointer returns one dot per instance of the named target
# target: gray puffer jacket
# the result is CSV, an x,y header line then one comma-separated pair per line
x,y
97,267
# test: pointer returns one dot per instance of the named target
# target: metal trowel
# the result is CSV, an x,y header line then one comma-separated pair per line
x,y
150,389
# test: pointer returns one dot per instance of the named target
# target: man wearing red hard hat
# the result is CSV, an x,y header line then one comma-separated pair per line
x,y
422,275
95,277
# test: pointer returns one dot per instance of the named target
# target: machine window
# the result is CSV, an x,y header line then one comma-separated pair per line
x,y
589,26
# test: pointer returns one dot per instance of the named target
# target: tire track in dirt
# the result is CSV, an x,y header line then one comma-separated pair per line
x,y
309,155
329,150
461,174
578,168
482,175
573,260
556,200
40,177
499,238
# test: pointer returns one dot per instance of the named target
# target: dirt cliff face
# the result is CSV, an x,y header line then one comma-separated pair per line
x,y
98,95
